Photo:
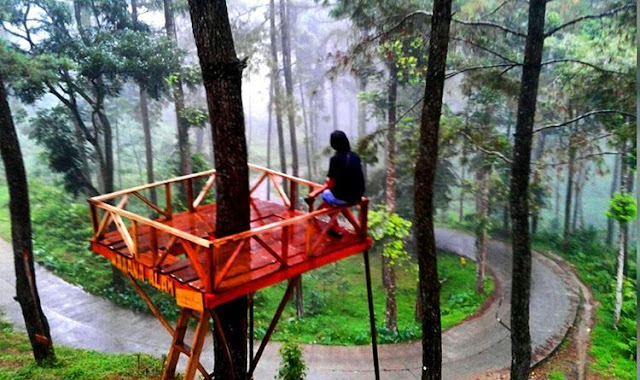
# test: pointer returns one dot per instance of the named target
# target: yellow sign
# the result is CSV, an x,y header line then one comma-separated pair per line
x,y
189,299
141,273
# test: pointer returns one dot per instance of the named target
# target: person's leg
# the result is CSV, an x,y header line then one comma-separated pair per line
x,y
330,200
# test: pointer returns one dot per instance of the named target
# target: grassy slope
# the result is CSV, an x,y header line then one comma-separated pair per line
x,y
16,362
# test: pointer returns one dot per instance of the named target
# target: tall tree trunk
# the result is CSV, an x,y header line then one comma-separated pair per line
x,y
144,114
118,154
313,124
288,84
482,211
148,147
462,184
568,198
628,189
275,79
424,187
361,81
614,186
291,115
578,196
519,196
107,175
334,103
269,132
184,147
305,117
388,272
537,155
26,288
619,276
222,78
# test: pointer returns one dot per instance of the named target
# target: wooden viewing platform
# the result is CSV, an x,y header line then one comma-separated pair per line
x,y
178,253
171,244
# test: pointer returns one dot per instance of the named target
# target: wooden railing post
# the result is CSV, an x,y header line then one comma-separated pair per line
x,y
189,190
293,195
134,238
153,245
364,209
167,194
94,219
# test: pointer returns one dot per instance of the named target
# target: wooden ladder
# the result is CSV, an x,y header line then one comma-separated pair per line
x,y
192,352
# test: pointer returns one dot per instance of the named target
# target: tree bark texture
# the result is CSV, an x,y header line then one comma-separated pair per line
x,y
26,289
388,272
614,186
222,79
291,116
144,116
361,82
288,84
148,145
569,193
184,148
482,211
537,156
424,187
619,276
519,195
275,80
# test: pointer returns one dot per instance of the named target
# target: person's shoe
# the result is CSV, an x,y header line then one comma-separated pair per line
x,y
333,232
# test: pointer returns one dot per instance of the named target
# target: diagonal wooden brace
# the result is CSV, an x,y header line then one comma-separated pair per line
x,y
178,333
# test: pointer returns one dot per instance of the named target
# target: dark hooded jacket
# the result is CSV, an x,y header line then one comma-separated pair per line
x,y
346,169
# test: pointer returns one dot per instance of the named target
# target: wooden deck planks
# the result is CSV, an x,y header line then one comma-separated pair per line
x,y
253,264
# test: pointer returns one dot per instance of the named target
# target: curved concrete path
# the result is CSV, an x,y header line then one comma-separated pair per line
x,y
478,345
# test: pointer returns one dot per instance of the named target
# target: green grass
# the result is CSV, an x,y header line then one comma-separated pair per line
x,y
336,303
334,296
17,363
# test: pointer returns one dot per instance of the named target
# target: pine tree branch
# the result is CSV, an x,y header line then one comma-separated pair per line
x,y
593,66
585,115
590,17
457,21
484,48
543,164
473,68
485,150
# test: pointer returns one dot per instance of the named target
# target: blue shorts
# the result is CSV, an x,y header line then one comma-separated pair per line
x,y
328,197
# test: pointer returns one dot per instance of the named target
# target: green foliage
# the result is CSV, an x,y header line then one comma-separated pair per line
x,y
195,117
292,366
613,351
52,130
390,230
622,208
16,361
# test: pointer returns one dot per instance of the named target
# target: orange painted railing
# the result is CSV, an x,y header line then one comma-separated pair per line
x,y
109,212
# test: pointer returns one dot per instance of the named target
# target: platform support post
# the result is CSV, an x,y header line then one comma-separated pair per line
x,y
276,317
372,319
251,332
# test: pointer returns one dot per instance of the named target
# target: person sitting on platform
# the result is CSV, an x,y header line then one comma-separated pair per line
x,y
345,181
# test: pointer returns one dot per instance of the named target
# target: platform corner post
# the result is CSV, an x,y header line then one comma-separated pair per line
x,y
372,319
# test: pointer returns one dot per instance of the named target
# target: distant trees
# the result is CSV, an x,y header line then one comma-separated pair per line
x,y
21,238
84,66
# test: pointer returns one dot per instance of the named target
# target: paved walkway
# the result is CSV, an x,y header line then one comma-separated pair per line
x,y
474,347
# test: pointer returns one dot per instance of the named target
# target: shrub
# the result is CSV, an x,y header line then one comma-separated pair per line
x,y
292,366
